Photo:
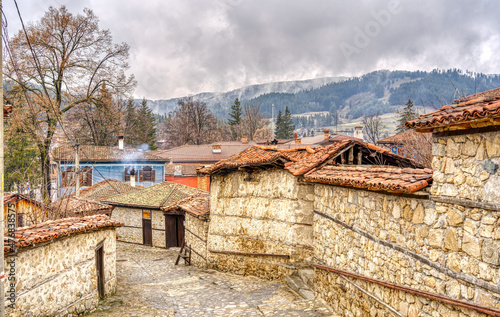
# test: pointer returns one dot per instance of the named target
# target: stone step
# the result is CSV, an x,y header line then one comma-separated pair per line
x,y
296,283
307,276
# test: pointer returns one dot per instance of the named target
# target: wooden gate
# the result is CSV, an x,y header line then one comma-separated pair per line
x,y
147,232
99,258
174,230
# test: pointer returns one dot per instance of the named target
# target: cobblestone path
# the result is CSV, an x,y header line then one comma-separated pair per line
x,y
150,285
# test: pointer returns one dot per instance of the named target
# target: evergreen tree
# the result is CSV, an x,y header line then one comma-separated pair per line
x,y
235,114
140,124
278,125
406,114
288,126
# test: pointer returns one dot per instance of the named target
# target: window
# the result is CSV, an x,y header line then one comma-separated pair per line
x,y
147,174
127,173
146,214
86,176
67,177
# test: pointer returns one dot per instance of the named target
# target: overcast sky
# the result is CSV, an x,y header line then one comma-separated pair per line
x,y
181,47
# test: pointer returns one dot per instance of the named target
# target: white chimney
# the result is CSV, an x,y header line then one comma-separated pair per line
x,y
132,177
120,141
216,149
358,132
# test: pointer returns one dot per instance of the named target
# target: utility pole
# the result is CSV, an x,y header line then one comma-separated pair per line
x,y
77,170
2,226
272,122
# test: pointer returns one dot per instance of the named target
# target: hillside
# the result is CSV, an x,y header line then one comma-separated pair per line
x,y
351,98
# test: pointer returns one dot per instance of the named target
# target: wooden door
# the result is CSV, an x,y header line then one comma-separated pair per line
x,y
171,231
147,232
180,229
99,257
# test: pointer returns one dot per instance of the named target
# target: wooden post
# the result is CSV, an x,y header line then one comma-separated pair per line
x,y
351,155
360,157
77,170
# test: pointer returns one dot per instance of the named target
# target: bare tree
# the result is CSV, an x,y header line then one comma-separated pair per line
x,y
252,120
372,126
58,63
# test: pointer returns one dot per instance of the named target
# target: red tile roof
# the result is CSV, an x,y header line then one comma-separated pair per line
x,y
201,153
7,110
480,107
55,229
257,156
187,169
385,178
198,206
9,198
301,160
404,137
92,153
71,206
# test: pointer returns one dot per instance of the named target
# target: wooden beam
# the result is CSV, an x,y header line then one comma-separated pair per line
x,y
351,155
342,158
467,203
360,157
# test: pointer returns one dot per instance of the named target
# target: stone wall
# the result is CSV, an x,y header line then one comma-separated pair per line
x,y
60,278
466,166
196,234
406,241
267,212
132,231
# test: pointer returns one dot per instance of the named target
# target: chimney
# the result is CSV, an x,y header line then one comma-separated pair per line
x,y
298,141
244,139
120,141
216,149
358,132
295,135
132,177
327,134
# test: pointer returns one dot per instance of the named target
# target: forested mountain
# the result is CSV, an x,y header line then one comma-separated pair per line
x,y
379,91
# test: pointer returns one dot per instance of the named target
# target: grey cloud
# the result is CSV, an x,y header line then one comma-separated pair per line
x,y
186,47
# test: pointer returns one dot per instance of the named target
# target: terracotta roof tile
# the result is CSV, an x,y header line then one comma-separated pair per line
x,y
71,206
385,178
92,153
13,197
258,155
187,169
297,161
156,196
478,107
7,110
54,229
198,205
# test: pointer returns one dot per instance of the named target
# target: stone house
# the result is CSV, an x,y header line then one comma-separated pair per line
x,y
60,267
383,237
261,208
196,210
145,220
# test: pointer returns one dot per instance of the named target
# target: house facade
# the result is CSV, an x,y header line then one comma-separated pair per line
x,y
98,163
145,220
75,256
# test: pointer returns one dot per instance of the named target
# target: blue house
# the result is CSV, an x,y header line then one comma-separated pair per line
x,y
98,163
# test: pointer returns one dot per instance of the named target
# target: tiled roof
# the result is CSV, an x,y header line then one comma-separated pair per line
x,y
71,206
404,137
9,198
338,138
92,153
385,178
7,109
484,106
198,205
187,169
54,229
201,153
154,197
309,162
259,155
106,189
300,160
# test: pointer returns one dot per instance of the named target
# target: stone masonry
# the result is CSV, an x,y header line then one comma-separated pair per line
x,y
267,212
59,278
